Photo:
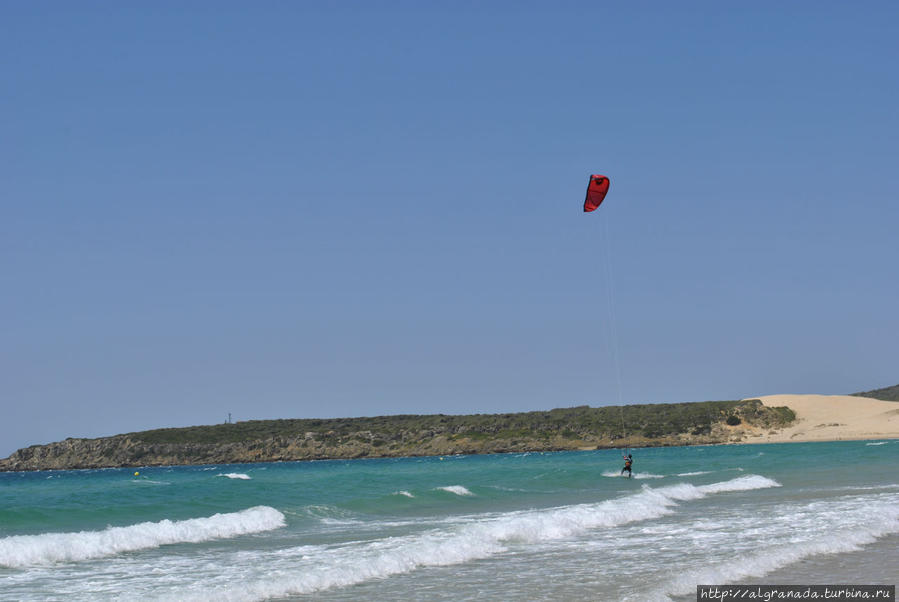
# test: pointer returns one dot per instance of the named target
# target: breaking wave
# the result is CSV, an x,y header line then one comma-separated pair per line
x,y
457,489
852,533
314,568
25,550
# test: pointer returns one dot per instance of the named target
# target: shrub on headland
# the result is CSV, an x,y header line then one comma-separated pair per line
x,y
884,394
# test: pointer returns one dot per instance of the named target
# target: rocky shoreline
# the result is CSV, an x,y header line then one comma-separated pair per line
x,y
123,451
444,436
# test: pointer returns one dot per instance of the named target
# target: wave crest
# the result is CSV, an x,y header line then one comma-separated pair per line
x,y
25,550
457,489
328,567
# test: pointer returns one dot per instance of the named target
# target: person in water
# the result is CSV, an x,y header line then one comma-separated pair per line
x,y
628,460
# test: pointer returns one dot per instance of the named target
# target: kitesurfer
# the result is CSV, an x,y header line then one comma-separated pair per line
x,y
628,460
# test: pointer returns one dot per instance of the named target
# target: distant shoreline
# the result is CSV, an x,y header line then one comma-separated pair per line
x,y
767,419
526,451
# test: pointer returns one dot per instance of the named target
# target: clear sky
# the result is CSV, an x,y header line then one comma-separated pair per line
x,y
322,209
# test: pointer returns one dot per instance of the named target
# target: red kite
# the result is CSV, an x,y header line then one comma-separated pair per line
x,y
596,192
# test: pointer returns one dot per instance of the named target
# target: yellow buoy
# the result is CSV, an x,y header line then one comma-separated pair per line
x,y
136,474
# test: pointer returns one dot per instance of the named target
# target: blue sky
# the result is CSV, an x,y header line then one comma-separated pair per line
x,y
316,209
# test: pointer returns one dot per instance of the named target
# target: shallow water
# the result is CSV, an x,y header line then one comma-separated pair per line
x,y
548,526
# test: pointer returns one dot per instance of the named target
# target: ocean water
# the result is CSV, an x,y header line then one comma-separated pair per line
x,y
537,526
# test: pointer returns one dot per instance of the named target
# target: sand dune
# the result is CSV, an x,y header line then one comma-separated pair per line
x,y
834,418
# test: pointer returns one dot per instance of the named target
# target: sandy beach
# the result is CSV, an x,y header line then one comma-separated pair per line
x,y
834,418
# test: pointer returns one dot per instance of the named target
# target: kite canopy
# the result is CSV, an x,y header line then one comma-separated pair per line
x,y
596,192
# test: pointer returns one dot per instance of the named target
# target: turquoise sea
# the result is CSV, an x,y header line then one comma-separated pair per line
x,y
537,526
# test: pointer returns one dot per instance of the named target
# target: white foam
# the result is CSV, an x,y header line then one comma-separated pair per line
x,y
310,568
637,475
878,443
693,474
26,550
744,483
457,489
405,493
235,475
853,532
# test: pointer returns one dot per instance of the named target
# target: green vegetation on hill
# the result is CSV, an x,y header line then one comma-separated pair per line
x,y
576,428
885,394
648,421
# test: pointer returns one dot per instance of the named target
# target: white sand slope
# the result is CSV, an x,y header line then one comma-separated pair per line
x,y
834,417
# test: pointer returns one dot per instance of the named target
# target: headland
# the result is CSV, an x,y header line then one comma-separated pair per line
x,y
765,419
